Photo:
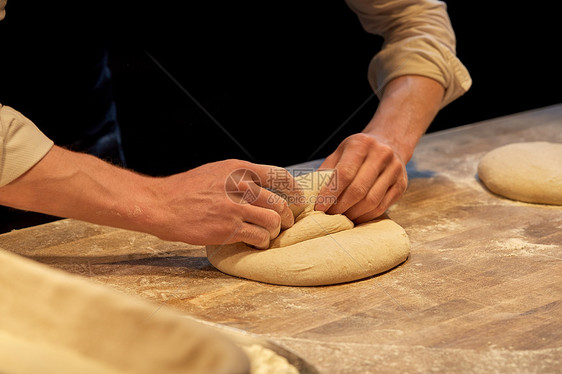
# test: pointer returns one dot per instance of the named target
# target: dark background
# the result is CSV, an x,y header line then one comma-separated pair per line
x,y
282,79
286,80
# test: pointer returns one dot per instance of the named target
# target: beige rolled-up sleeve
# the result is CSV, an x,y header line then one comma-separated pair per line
x,y
22,144
418,40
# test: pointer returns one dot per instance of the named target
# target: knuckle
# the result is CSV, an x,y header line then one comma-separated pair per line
x,y
275,220
396,163
387,154
345,175
401,186
243,235
373,198
364,139
232,232
277,203
359,144
358,191
284,205
230,209
236,163
256,237
271,220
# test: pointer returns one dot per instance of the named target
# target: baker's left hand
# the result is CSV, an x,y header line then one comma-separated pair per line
x,y
371,176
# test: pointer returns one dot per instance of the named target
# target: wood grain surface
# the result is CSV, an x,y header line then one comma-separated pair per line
x,y
481,291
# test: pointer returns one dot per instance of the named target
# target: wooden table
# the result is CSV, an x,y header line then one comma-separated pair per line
x,y
481,291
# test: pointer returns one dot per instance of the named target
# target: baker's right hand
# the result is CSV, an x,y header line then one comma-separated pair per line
x,y
225,202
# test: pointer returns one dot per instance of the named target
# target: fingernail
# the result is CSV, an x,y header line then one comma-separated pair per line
x,y
320,207
265,245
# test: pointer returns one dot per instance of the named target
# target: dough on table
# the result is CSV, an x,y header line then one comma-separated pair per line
x,y
319,249
530,172
265,361
54,322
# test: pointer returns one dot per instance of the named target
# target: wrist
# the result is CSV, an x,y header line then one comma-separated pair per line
x,y
407,107
130,200
403,146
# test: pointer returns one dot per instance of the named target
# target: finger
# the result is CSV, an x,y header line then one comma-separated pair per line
x,y
367,190
392,195
331,161
326,195
253,235
384,188
345,171
361,185
266,218
270,200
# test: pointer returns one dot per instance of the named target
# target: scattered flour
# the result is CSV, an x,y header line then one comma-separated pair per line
x,y
517,246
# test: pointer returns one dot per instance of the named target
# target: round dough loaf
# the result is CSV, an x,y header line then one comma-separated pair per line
x,y
319,249
530,172
366,250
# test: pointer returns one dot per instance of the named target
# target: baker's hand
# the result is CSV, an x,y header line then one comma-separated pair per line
x,y
371,176
226,202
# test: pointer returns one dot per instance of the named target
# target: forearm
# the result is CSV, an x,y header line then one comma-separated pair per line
x,y
75,185
191,207
407,108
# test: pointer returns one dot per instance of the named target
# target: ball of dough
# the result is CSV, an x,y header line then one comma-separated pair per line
x,y
319,249
530,172
368,249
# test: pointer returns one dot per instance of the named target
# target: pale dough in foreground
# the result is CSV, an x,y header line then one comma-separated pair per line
x,y
530,172
319,249
265,361
54,322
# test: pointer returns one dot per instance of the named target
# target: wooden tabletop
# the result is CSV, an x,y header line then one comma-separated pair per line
x,y
481,291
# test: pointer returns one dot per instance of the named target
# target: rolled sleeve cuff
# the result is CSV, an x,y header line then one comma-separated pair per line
x,y
420,56
22,145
